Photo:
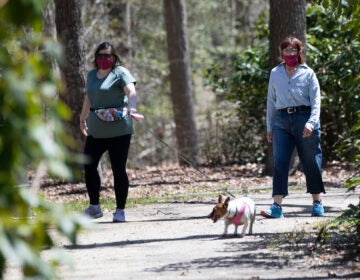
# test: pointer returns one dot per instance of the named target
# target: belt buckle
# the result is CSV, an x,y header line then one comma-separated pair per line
x,y
291,110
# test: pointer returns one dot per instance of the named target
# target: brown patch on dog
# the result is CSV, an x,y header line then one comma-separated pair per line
x,y
219,210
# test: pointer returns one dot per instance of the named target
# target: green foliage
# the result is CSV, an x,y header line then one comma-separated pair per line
x,y
331,51
353,181
347,12
347,224
243,83
30,135
242,80
342,8
30,14
322,236
349,220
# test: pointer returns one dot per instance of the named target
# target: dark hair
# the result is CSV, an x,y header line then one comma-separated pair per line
x,y
296,44
106,45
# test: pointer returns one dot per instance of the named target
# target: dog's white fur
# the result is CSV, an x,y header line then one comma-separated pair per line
x,y
232,208
247,218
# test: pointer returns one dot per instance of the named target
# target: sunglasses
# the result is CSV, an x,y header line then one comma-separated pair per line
x,y
104,55
290,51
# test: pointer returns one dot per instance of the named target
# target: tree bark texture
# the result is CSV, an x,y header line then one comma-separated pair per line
x,y
180,79
49,28
120,15
70,34
242,22
287,17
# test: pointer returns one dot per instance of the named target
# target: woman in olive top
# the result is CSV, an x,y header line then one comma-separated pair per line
x,y
109,85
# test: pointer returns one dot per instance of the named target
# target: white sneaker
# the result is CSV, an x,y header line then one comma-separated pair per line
x,y
93,211
119,216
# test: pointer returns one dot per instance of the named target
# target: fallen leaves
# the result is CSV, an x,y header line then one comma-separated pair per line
x,y
172,181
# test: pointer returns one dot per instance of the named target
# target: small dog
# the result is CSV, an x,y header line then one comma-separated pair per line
x,y
240,211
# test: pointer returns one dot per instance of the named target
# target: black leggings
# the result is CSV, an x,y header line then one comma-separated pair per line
x,y
118,148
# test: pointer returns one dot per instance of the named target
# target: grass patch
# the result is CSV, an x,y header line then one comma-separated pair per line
x,y
110,204
193,194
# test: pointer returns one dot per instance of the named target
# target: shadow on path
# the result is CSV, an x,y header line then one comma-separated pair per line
x,y
139,241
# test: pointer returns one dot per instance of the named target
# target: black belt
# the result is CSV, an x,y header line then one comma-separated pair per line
x,y
94,109
291,110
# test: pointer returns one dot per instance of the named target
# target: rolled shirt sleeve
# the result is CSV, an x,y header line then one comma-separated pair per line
x,y
315,100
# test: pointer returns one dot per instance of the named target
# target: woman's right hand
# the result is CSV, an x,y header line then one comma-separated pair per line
x,y
83,127
269,136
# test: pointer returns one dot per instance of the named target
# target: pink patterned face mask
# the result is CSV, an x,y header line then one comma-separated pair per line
x,y
105,63
291,60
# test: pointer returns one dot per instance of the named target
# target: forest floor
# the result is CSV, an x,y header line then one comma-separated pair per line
x,y
172,238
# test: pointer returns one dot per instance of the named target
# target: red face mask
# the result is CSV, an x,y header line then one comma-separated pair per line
x,y
105,63
291,60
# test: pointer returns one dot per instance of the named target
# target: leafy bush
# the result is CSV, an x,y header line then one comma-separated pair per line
x,y
350,219
331,52
30,136
345,93
243,83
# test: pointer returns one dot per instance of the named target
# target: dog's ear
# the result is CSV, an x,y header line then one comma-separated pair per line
x,y
226,203
220,198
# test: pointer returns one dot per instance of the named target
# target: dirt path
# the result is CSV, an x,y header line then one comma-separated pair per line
x,y
176,241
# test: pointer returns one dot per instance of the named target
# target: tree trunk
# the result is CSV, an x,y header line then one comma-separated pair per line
x,y
286,18
49,28
242,23
70,33
119,14
180,79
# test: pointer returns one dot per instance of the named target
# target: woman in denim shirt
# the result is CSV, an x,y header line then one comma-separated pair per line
x,y
293,113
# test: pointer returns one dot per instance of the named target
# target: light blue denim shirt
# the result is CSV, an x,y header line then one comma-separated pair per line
x,y
301,89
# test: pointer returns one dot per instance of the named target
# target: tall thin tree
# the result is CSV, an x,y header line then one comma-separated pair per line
x,y
180,79
70,34
286,18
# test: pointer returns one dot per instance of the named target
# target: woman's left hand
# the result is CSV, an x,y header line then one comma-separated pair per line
x,y
83,127
308,129
132,110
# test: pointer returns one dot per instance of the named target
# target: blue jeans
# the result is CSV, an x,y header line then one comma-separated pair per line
x,y
287,134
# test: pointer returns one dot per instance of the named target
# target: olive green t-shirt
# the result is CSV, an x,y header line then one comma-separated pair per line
x,y
108,92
